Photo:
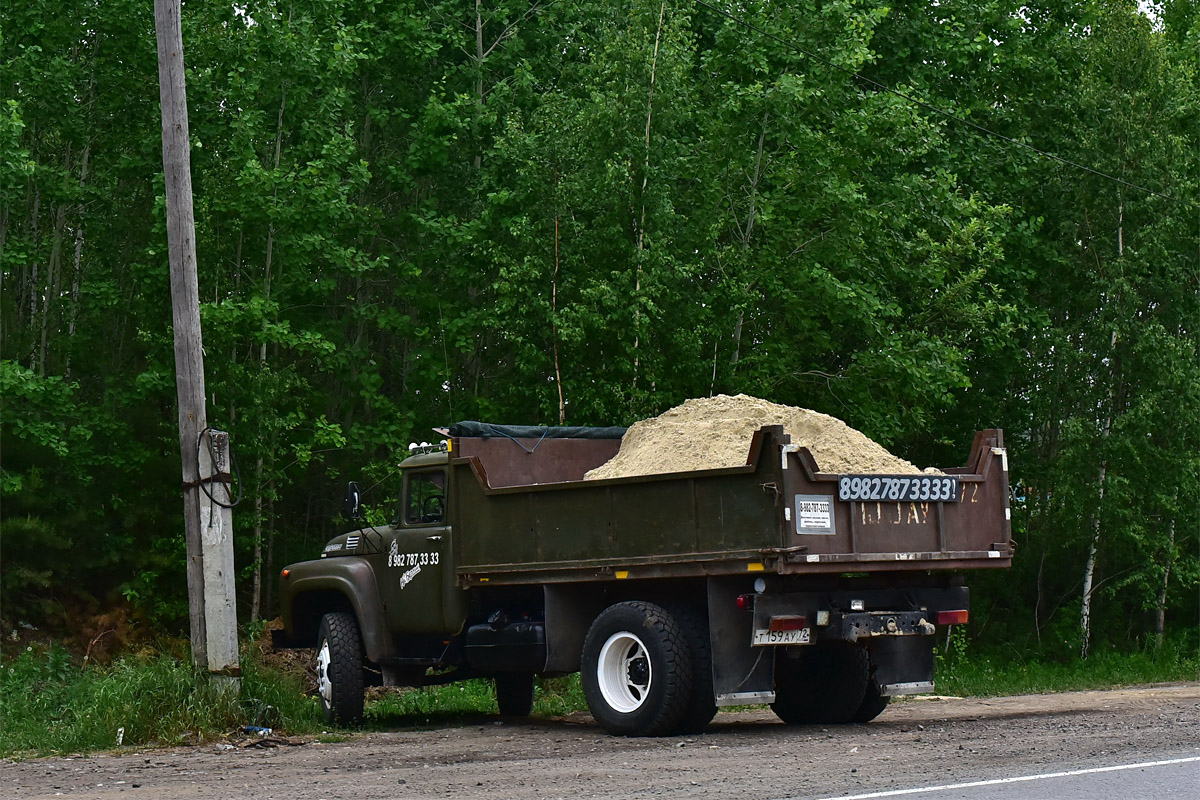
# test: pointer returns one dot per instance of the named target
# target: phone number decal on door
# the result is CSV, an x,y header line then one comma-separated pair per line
x,y
413,559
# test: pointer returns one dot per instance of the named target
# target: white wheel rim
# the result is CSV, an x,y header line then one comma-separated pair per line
x,y
623,672
324,684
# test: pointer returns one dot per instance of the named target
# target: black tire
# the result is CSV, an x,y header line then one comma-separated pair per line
x,y
340,669
702,706
873,703
514,694
637,670
825,685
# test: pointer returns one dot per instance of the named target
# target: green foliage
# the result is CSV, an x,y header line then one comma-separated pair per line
x,y
557,697
553,697
418,706
35,408
1004,672
592,211
49,704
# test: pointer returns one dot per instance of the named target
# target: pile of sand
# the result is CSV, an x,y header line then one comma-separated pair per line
x,y
713,432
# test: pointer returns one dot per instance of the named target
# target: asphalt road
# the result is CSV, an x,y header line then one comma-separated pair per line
x,y
933,749
1169,779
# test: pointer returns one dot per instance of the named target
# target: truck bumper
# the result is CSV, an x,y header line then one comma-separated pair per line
x,y
899,643
871,624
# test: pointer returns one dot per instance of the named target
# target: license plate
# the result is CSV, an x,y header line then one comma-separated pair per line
x,y
799,636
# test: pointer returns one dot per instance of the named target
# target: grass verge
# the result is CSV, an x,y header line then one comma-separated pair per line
x,y
992,674
553,697
51,705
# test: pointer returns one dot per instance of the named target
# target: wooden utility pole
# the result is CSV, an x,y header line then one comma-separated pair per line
x,y
189,353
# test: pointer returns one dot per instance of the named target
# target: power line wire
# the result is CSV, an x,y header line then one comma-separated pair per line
x,y
929,107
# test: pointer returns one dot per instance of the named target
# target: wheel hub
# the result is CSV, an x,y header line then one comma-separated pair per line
x,y
638,672
324,684
623,672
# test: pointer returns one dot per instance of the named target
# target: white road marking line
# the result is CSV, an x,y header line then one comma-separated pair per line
x,y
1021,779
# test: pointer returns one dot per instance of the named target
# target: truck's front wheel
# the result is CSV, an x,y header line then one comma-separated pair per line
x,y
637,670
340,669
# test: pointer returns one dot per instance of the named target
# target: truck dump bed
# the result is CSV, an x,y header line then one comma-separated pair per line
x,y
777,513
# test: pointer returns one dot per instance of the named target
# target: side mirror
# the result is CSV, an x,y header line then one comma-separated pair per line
x,y
352,502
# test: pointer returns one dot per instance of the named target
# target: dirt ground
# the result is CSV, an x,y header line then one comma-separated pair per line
x,y
744,753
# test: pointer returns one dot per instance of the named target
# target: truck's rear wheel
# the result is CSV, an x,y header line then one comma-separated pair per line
x,y
637,670
340,669
514,694
873,702
826,684
702,706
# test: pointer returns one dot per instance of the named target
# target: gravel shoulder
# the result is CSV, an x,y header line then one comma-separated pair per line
x,y
744,753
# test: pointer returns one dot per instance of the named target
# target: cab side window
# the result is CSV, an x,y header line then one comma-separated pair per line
x,y
425,498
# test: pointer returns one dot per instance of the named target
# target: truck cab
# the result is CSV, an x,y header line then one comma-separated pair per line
x,y
397,578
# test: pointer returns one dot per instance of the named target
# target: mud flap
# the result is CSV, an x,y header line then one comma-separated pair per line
x,y
902,664
742,674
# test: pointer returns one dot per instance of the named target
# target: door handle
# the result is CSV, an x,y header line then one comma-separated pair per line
x,y
433,538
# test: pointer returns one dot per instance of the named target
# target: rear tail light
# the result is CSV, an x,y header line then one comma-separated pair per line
x,y
788,623
745,602
952,617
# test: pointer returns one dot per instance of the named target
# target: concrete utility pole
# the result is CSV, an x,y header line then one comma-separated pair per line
x,y
216,536
189,365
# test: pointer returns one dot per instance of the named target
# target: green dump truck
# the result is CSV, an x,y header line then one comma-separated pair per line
x,y
672,594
